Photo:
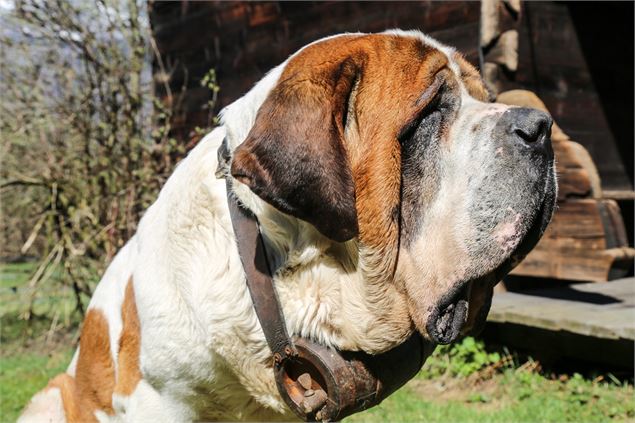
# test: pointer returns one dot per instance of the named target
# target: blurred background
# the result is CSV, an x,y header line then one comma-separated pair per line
x,y
101,98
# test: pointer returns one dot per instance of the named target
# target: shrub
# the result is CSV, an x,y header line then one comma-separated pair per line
x,y
86,145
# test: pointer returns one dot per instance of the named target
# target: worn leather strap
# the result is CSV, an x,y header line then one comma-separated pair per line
x,y
259,281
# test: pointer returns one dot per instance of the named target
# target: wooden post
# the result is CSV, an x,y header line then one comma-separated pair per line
x,y
499,40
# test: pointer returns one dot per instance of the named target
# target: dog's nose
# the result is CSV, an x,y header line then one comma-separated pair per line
x,y
530,127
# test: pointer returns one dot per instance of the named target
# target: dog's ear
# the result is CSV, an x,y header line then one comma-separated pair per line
x,y
472,80
294,156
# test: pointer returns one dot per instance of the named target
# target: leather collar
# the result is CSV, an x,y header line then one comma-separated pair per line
x,y
251,249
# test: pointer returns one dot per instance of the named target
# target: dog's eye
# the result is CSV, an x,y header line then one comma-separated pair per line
x,y
434,106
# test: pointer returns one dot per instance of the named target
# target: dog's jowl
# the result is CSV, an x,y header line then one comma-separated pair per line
x,y
390,194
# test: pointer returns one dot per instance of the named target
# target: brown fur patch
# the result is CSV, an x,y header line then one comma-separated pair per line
x,y
128,371
95,374
92,387
76,409
472,80
94,383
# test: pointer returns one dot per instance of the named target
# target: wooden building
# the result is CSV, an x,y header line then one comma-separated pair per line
x,y
576,57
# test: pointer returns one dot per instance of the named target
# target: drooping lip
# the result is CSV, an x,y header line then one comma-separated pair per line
x,y
447,320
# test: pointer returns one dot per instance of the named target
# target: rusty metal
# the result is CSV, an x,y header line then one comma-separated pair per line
x,y
351,381
277,358
316,382
313,400
305,381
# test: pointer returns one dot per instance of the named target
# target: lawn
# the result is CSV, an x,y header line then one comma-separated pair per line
x,y
23,374
514,393
468,382
31,353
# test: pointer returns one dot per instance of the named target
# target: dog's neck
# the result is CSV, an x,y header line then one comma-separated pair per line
x,y
324,293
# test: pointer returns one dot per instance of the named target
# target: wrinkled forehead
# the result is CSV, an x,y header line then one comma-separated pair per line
x,y
387,51
395,56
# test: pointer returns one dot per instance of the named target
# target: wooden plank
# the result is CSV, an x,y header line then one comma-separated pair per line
x,y
586,239
573,265
598,310
619,194
573,183
557,62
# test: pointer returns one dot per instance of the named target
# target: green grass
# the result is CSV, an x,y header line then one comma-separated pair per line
x,y
31,353
22,375
509,397
464,382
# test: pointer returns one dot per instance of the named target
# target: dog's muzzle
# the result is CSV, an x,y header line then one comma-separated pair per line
x,y
316,382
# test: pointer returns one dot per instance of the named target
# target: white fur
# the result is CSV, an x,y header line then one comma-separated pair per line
x,y
45,406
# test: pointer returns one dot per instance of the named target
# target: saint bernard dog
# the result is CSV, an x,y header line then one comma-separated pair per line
x,y
391,196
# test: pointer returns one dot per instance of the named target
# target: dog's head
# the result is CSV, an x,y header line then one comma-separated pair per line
x,y
389,139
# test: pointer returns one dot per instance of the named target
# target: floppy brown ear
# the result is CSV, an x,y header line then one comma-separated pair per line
x,y
294,156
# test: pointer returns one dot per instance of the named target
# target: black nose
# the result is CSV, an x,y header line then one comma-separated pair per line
x,y
531,127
